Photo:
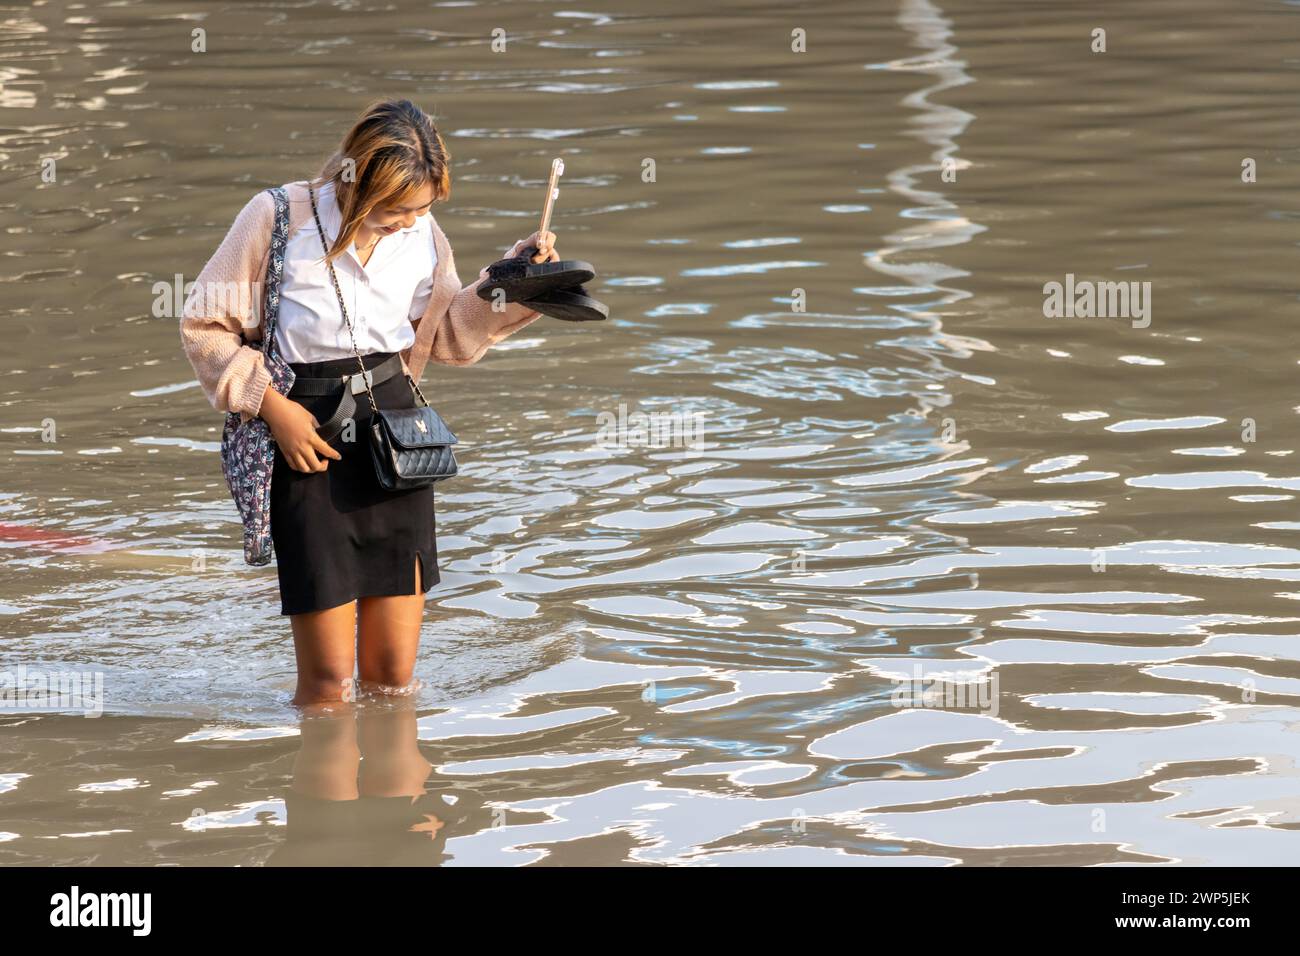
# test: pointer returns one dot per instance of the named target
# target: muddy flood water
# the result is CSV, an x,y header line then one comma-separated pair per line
x,y
945,578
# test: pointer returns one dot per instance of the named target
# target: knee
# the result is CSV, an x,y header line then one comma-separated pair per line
x,y
386,675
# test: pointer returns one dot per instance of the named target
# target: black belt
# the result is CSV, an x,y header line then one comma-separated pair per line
x,y
350,386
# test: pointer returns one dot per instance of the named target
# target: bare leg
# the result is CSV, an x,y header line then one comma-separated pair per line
x,y
388,637
325,645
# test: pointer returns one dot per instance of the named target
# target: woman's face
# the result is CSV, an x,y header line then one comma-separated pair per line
x,y
390,216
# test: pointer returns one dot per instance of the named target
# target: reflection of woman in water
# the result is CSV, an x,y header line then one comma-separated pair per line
x,y
365,278
358,797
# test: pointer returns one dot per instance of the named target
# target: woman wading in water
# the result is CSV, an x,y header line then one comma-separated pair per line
x,y
353,560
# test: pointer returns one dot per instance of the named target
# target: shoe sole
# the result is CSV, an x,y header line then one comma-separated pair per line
x,y
570,306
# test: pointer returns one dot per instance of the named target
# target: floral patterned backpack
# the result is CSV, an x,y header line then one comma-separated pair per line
x,y
248,448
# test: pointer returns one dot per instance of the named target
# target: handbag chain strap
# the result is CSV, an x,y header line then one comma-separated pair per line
x,y
365,378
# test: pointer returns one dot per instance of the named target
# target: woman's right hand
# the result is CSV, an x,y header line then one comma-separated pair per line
x,y
294,429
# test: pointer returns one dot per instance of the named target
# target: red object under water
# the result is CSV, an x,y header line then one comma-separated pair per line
x,y
54,540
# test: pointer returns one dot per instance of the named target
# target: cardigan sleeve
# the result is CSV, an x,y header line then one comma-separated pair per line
x,y
469,326
225,302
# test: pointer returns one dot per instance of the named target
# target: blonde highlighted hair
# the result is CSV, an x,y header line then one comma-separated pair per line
x,y
391,152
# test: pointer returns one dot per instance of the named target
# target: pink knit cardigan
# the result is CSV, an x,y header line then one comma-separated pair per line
x,y
457,327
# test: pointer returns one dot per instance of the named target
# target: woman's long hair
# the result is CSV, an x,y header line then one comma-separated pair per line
x,y
391,152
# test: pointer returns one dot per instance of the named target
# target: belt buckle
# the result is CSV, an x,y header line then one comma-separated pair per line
x,y
357,381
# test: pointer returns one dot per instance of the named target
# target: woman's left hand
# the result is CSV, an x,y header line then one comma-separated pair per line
x,y
545,243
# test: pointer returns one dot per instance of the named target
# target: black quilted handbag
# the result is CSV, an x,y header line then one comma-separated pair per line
x,y
411,447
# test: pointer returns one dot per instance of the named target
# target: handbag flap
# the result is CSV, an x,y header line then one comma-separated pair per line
x,y
419,427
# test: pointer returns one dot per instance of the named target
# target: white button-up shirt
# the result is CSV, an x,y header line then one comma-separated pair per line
x,y
383,296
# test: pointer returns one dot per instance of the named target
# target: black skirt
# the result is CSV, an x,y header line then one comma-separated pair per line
x,y
338,534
